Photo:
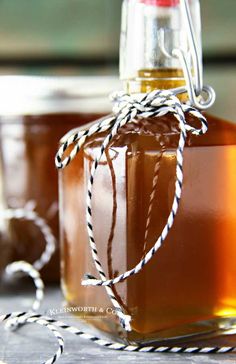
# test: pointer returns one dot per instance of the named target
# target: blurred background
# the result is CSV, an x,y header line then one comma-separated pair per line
x,y
75,37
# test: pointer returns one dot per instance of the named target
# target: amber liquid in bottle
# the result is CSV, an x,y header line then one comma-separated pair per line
x,y
189,287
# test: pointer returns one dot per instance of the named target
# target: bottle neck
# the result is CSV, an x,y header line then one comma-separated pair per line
x,y
148,80
151,30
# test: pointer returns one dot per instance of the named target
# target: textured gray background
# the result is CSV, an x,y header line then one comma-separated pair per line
x,y
33,344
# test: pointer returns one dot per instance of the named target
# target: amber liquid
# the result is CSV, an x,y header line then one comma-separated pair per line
x,y
28,174
189,286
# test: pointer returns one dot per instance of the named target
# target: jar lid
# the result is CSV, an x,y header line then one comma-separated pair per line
x,y
41,95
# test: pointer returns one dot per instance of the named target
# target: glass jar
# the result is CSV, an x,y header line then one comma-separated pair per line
x,y
188,288
35,112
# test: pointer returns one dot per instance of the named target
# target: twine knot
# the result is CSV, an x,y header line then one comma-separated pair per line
x,y
156,103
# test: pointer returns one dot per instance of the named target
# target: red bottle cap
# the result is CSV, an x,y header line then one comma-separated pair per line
x,y
165,3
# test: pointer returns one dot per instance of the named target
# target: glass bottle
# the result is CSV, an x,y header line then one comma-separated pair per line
x,y
35,112
189,286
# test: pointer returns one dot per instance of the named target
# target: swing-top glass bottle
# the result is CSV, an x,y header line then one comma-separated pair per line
x,y
189,287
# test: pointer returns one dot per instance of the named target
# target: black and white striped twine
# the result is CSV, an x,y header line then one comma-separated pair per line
x,y
31,270
127,109
54,325
27,213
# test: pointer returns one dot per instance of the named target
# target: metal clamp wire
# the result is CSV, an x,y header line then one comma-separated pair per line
x,y
193,46
198,101
193,77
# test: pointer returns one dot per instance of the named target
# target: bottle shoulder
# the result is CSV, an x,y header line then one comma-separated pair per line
x,y
154,132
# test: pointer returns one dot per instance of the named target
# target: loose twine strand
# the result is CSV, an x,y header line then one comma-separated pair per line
x,y
127,109
29,214
31,270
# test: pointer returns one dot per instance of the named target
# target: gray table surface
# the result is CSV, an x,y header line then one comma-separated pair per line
x,y
33,344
